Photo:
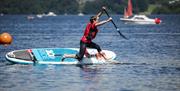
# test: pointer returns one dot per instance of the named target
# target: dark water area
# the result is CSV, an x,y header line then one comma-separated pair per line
x,y
150,57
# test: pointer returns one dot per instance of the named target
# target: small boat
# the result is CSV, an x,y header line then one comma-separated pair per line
x,y
80,14
1,14
51,14
30,17
137,19
40,15
44,15
141,19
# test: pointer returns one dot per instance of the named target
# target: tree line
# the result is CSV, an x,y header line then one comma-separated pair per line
x,y
89,7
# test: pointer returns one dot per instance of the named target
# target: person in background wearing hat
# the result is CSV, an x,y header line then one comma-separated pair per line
x,y
86,40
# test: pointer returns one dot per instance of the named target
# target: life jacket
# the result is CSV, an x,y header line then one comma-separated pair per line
x,y
89,33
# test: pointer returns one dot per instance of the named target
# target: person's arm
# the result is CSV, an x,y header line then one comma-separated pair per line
x,y
103,22
100,13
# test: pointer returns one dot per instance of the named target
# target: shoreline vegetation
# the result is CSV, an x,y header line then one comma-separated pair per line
x,y
74,7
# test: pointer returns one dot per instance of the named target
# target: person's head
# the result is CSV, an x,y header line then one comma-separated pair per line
x,y
93,19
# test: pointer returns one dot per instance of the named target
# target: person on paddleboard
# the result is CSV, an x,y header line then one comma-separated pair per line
x,y
86,40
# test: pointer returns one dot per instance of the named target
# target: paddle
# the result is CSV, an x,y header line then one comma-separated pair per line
x,y
115,26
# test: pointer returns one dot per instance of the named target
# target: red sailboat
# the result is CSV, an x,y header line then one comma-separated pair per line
x,y
128,11
137,19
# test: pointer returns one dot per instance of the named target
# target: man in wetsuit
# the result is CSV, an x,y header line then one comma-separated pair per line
x,y
86,40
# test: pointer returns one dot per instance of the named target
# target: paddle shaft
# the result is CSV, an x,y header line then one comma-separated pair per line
x,y
111,20
115,25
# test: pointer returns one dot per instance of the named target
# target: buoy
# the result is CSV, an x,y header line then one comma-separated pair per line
x,y
157,20
5,38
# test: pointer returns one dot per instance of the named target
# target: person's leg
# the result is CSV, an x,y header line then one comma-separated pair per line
x,y
94,45
79,55
82,51
87,54
100,54
68,56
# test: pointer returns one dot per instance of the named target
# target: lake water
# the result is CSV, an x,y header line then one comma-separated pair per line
x,y
151,56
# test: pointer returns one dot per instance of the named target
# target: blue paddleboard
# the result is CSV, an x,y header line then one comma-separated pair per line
x,y
54,56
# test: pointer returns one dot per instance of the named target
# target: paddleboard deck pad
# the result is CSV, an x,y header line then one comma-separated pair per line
x,y
54,56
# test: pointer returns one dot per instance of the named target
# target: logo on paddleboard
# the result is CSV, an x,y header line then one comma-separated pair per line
x,y
50,53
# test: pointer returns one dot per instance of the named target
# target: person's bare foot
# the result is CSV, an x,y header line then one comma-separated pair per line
x,y
99,56
104,56
63,58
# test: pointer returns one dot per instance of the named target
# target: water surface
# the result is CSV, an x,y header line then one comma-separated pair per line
x,y
151,56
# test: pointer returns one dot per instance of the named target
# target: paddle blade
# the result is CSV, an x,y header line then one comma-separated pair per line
x,y
121,34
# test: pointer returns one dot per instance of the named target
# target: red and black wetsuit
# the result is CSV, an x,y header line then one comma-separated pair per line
x,y
86,41
89,33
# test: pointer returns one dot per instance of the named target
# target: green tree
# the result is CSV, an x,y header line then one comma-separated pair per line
x,y
140,5
114,6
90,7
